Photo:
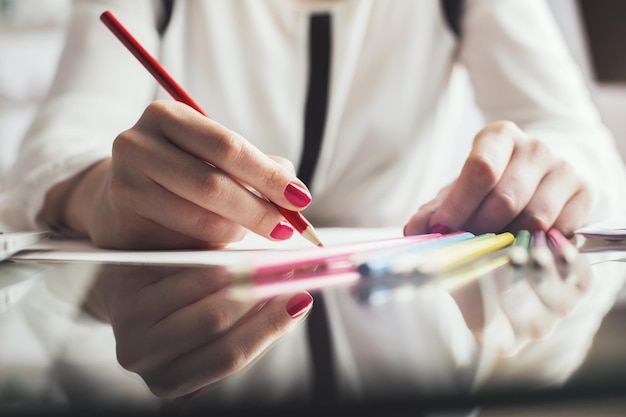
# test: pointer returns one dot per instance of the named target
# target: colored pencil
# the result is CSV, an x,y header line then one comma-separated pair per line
x,y
540,252
565,249
463,252
399,260
520,249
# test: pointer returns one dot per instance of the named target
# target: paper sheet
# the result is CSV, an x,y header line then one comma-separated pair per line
x,y
612,229
253,249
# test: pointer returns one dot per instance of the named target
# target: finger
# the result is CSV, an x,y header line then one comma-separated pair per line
x,y
284,162
555,192
527,315
575,213
231,153
181,289
420,221
174,213
233,351
529,164
487,161
136,232
209,189
192,326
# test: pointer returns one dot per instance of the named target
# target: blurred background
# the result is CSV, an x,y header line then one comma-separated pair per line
x,y
32,33
31,38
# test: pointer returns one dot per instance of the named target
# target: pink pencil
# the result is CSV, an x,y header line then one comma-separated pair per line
x,y
563,247
295,218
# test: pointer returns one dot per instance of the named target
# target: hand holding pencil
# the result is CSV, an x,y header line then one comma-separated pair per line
x,y
178,179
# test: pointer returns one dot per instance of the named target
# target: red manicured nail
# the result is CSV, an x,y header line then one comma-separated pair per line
x,y
440,228
297,195
282,231
299,304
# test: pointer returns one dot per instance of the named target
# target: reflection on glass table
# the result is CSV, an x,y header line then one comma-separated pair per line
x,y
95,336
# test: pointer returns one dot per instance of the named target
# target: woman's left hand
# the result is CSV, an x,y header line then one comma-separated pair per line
x,y
509,182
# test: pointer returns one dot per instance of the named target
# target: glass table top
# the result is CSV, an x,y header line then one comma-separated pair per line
x,y
91,336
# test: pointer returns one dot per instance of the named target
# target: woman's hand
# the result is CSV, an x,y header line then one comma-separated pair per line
x,y
178,179
179,329
509,182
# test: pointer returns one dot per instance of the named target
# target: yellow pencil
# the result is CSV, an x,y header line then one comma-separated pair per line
x,y
461,253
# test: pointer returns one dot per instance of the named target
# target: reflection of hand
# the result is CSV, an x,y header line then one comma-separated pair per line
x,y
178,179
180,332
512,307
509,182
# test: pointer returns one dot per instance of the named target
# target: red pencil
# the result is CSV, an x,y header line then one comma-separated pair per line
x,y
295,218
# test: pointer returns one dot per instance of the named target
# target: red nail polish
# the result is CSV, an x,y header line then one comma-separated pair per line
x,y
297,195
440,228
282,231
299,304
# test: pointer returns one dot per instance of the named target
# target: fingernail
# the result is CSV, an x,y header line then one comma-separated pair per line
x,y
299,304
282,231
297,195
440,228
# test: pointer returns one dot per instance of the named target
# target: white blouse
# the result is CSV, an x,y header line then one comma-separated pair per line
x,y
391,138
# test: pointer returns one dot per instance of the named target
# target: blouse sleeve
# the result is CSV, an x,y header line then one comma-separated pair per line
x,y
99,90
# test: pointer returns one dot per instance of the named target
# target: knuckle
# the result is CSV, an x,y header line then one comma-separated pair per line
x,y
214,320
207,226
125,144
128,359
482,171
261,218
506,202
456,211
161,108
171,386
500,127
204,225
216,232
228,146
538,148
539,219
232,358
274,326
213,186
274,179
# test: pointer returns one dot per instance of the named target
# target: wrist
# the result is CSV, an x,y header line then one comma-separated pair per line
x,y
67,206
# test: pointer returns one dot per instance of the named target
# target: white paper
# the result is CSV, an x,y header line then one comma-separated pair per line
x,y
613,228
251,249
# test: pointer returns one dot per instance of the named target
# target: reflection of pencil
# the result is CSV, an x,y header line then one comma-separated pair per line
x,y
463,276
255,288
566,251
295,218
461,253
540,252
519,253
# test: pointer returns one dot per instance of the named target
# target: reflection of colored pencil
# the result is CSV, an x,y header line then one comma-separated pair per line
x,y
540,252
566,251
255,288
520,250
462,276
295,218
458,254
